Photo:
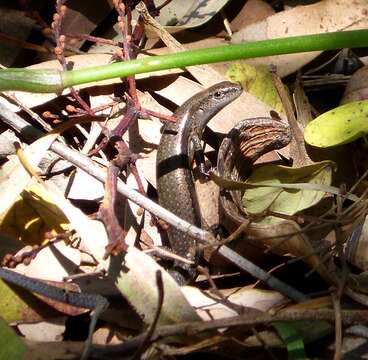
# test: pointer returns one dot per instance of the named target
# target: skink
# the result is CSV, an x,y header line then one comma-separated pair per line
x,y
179,142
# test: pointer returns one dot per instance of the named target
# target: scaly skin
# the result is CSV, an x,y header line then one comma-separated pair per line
x,y
174,158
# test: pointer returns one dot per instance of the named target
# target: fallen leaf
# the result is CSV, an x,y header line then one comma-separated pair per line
x,y
14,178
252,12
33,217
188,14
357,87
323,16
21,305
136,281
286,201
11,345
44,330
210,306
257,80
18,27
338,126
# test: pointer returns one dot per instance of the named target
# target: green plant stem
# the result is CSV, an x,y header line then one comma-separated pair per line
x,y
56,81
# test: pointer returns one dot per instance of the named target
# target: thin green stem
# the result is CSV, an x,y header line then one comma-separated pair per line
x,y
12,79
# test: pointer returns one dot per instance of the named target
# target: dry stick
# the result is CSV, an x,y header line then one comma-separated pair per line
x,y
348,317
17,123
297,146
338,325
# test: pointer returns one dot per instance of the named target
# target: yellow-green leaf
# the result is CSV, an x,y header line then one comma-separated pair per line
x,y
12,347
338,126
257,81
17,304
286,200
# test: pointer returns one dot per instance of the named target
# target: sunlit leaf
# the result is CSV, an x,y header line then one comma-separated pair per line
x,y
258,81
339,126
180,14
137,283
283,200
32,216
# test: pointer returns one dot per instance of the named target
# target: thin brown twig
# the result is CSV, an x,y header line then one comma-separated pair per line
x,y
91,38
338,325
188,329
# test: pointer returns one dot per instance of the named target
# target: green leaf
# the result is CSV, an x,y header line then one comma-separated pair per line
x,y
17,304
10,344
283,200
292,339
258,81
136,281
339,126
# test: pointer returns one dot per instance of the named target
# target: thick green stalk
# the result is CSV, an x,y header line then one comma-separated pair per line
x,y
42,81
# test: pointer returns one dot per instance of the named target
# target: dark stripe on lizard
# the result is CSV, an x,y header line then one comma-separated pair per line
x,y
175,185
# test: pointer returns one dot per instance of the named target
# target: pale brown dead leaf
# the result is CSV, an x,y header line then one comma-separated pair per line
x,y
105,335
44,330
47,264
323,16
188,14
357,87
252,11
209,306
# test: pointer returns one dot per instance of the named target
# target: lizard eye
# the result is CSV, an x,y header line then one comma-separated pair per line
x,y
218,94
